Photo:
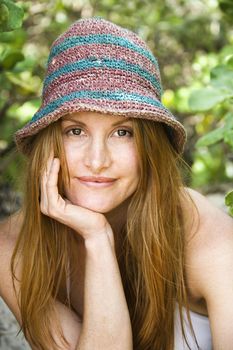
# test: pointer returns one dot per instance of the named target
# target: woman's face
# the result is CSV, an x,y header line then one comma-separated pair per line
x,y
102,160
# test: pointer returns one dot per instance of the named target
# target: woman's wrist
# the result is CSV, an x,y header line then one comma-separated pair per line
x,y
100,240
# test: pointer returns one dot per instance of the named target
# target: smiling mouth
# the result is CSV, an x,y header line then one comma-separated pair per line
x,y
97,182
96,179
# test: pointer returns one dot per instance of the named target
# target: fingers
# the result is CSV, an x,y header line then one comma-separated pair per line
x,y
52,179
44,178
49,190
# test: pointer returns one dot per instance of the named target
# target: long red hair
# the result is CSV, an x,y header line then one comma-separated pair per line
x,y
151,257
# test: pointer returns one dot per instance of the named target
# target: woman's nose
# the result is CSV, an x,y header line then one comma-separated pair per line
x,y
97,156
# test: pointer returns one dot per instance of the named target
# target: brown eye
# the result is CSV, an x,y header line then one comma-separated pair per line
x,y
74,131
124,132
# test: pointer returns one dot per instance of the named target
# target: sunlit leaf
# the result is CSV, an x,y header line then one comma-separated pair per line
x,y
11,15
230,62
25,111
229,198
26,82
10,58
228,119
206,98
211,138
4,14
28,64
225,81
218,71
228,137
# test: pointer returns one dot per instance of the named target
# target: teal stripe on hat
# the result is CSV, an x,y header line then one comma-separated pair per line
x,y
100,39
103,63
107,95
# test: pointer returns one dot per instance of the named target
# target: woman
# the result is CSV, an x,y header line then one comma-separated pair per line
x,y
110,251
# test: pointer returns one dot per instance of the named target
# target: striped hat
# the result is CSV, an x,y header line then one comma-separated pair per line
x,y
98,66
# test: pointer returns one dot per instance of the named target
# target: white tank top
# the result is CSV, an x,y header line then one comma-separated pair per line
x,y
201,327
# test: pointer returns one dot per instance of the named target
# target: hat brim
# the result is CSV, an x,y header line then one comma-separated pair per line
x,y
121,107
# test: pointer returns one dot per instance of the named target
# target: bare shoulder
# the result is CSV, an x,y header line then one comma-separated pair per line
x,y
9,229
209,243
207,222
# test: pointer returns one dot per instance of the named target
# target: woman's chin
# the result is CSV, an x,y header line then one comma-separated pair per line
x,y
101,208
97,209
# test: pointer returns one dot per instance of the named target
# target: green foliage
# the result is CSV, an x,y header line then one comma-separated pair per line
x,y
11,16
218,95
229,202
206,98
219,89
222,133
227,7
10,57
209,167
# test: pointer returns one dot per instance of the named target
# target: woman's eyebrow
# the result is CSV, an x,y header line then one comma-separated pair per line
x,y
123,120
70,119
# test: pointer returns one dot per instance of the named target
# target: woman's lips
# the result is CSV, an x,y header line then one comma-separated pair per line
x,y
96,182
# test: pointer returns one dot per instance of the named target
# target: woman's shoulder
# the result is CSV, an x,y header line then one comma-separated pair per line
x,y
9,230
209,241
202,217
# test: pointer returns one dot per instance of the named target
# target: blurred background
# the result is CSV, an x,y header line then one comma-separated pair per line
x,y
193,41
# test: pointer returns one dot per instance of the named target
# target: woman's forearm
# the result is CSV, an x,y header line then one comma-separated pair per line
x,y
106,321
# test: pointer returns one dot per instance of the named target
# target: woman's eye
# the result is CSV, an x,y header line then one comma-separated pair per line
x,y
75,131
124,132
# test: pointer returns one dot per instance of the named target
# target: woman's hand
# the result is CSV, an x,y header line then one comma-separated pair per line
x,y
87,223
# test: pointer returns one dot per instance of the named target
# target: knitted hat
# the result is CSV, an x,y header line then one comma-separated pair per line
x,y
98,66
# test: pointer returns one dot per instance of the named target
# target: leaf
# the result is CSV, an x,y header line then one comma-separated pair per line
x,y
222,77
24,112
230,62
206,98
4,14
10,58
228,137
226,7
211,138
231,211
226,53
228,119
225,81
28,83
28,64
11,16
229,198
218,71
